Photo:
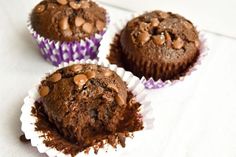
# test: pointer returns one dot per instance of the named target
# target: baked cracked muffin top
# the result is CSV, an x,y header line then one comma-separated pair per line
x,y
68,20
84,101
157,44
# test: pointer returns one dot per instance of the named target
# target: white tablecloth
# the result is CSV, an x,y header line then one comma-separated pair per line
x,y
216,16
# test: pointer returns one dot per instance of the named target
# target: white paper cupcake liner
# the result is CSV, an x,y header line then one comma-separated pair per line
x,y
36,137
57,52
150,83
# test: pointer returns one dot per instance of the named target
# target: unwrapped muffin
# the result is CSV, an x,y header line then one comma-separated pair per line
x,y
67,30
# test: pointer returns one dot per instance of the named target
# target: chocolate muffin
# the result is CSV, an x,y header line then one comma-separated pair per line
x,y
157,44
84,102
68,20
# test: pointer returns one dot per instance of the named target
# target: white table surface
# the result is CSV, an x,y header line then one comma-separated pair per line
x,y
213,15
194,118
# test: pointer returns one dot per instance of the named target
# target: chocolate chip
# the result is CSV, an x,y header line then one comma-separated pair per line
x,y
67,33
107,73
80,79
63,24
90,74
87,27
119,100
113,87
147,18
75,5
76,68
43,91
144,26
40,8
79,21
55,77
100,25
168,39
163,15
187,25
62,2
143,37
159,39
23,139
85,4
178,43
154,22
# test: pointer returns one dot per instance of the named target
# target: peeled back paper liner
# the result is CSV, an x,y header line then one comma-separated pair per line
x,y
57,52
37,137
150,83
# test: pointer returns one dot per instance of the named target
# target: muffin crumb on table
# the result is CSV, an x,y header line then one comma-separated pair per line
x,y
23,139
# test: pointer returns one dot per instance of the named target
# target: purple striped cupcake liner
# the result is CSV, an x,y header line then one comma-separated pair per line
x,y
149,83
57,52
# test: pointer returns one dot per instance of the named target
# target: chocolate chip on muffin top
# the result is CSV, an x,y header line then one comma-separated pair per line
x,y
68,20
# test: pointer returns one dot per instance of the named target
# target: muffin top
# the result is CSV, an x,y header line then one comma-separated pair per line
x,y
68,20
84,101
159,36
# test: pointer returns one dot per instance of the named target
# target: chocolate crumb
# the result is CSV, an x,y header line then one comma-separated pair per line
x,y
23,139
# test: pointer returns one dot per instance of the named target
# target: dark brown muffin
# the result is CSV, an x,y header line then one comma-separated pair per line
x,y
85,101
159,45
68,20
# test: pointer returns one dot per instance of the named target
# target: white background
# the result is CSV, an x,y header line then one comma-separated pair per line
x,y
194,118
